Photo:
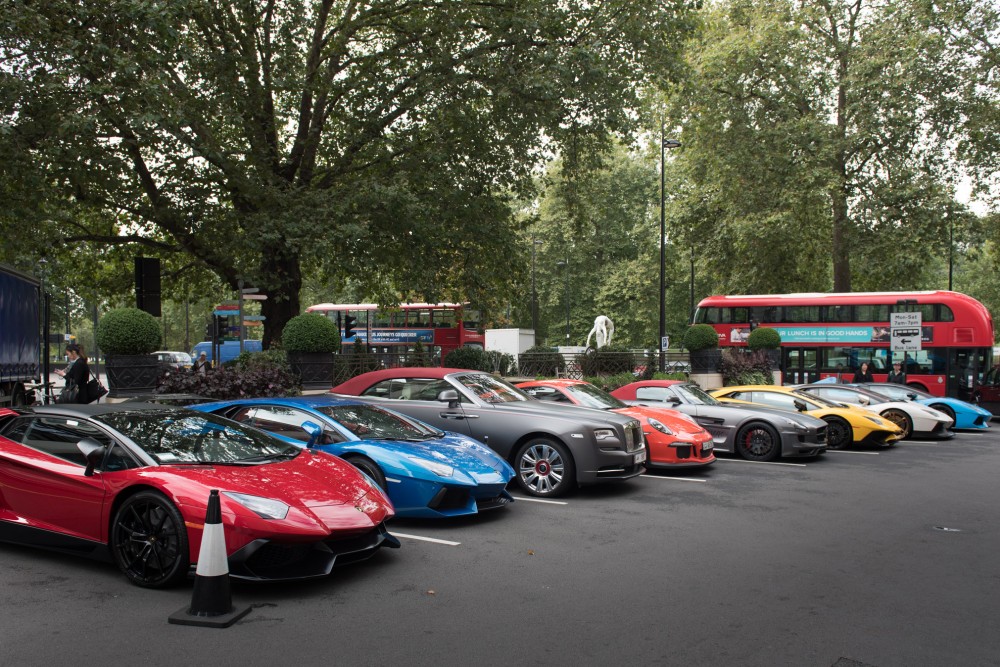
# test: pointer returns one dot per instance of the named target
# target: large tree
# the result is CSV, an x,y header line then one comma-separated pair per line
x,y
817,137
263,138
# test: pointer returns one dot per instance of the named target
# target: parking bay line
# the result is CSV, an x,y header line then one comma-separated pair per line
x,y
679,479
539,500
764,463
842,451
426,539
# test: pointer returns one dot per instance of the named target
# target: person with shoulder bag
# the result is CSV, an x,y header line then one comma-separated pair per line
x,y
76,374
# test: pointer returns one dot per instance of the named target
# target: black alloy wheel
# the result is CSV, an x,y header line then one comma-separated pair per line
x,y
545,468
368,467
839,434
758,442
149,541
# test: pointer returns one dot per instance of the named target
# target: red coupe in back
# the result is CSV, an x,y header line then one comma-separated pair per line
x,y
130,482
674,440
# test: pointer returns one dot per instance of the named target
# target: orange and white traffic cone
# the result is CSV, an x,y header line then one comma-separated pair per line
x,y
211,600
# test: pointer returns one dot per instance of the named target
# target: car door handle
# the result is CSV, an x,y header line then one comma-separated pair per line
x,y
458,415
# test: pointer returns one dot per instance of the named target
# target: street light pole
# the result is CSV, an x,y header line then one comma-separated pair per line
x,y
664,144
951,247
534,293
566,264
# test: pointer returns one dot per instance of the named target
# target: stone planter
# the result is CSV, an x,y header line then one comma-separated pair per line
x,y
316,370
132,374
705,361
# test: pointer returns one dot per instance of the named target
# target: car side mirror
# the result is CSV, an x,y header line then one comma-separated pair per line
x,y
800,405
449,396
93,454
314,430
673,400
864,400
912,397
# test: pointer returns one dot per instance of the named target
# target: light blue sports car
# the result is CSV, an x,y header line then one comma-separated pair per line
x,y
966,415
426,473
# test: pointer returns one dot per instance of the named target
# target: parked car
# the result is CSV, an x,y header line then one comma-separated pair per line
x,y
673,439
847,425
130,482
178,361
180,400
913,418
756,434
965,415
551,447
426,473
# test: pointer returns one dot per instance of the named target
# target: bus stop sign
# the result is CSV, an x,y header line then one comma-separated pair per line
x,y
905,330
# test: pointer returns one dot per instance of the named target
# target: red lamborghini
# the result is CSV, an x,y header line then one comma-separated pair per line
x,y
130,482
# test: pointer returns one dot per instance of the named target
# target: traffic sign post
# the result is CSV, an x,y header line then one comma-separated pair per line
x,y
905,332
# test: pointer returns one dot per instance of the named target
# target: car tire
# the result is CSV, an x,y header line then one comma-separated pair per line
x,y
368,467
149,541
758,442
940,407
900,419
839,434
545,468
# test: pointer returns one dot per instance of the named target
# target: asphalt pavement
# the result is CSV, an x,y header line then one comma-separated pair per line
x,y
881,558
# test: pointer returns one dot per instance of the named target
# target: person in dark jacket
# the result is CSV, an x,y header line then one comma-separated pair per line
x,y
897,375
77,372
863,374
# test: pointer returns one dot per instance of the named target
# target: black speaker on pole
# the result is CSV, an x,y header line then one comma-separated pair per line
x,y
147,285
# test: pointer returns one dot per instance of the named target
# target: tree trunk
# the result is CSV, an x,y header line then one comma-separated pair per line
x,y
841,238
282,276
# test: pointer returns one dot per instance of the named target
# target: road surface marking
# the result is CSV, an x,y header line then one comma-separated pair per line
x,y
426,539
842,451
539,500
764,463
679,479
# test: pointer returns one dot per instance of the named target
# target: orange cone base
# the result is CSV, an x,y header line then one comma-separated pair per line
x,y
185,617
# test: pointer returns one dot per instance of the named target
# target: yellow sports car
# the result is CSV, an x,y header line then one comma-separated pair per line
x,y
846,425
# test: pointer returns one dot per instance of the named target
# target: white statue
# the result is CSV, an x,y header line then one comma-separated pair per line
x,y
603,329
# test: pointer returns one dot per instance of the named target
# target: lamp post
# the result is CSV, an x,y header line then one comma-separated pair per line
x,y
951,247
534,293
566,264
664,145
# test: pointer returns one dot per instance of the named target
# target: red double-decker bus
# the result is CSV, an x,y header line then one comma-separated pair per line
x,y
824,335
440,327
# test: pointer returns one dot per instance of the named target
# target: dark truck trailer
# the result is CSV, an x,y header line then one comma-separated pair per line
x,y
20,338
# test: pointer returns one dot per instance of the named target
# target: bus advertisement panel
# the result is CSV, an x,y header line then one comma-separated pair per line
x,y
829,334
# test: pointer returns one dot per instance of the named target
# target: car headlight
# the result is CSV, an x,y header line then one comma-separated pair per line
x,y
439,469
876,420
265,508
604,433
659,426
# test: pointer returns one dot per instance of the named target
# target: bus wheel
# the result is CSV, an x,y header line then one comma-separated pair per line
x,y
839,433
900,419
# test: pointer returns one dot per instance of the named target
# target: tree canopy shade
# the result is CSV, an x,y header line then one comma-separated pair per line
x,y
816,144
264,138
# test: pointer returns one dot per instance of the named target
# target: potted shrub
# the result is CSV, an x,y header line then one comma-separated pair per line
x,y
702,343
767,341
311,341
128,336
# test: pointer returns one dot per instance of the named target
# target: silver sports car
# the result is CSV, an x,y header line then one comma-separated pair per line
x,y
756,433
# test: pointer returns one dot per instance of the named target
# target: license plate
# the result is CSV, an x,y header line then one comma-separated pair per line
x,y
640,457
707,446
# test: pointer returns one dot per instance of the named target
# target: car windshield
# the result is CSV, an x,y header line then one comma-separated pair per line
x,y
590,396
695,395
491,389
372,423
182,436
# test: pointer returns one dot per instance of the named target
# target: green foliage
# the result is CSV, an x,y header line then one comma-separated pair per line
x,y
310,332
610,382
741,367
472,358
128,331
609,360
274,358
764,338
250,375
541,361
700,337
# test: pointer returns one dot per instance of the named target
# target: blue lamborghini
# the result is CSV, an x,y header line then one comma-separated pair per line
x,y
966,415
426,473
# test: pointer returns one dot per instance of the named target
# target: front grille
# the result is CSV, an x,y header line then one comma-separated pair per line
x,y
449,499
483,504
633,437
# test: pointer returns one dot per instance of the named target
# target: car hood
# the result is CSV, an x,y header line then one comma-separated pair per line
x,y
802,419
670,418
311,479
453,449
